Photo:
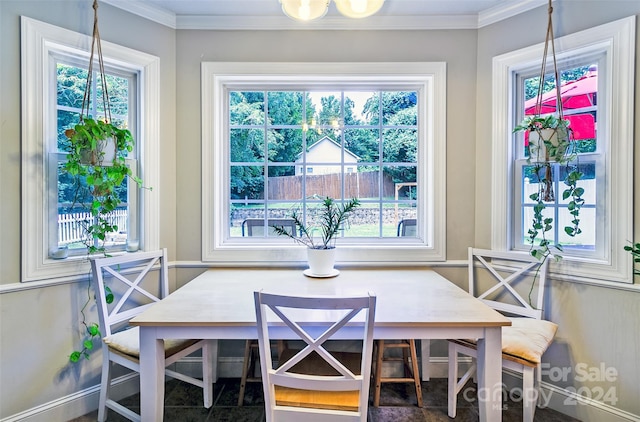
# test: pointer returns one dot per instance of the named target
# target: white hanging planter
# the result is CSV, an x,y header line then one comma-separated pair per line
x,y
101,156
548,145
321,262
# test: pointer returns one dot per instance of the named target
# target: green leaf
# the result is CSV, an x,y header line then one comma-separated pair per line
x,y
75,357
109,294
88,344
93,329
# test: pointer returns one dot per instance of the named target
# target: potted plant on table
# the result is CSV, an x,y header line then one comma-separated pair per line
x,y
320,249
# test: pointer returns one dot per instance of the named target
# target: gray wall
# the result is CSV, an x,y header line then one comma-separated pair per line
x,y
39,326
596,325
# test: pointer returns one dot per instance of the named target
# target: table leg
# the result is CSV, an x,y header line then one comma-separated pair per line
x,y
425,349
151,375
490,375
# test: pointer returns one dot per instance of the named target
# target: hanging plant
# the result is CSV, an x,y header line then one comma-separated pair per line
x,y
551,148
96,160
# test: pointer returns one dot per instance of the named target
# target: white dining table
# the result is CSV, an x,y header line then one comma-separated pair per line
x,y
412,303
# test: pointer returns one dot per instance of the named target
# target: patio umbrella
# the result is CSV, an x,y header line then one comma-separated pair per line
x,y
579,94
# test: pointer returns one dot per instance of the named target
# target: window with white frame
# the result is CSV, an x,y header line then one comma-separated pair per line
x,y
599,107
71,209
287,137
54,69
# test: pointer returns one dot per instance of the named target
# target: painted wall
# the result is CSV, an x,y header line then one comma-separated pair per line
x,y
39,326
597,326
457,48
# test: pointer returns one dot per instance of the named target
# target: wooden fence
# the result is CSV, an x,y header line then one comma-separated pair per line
x,y
356,185
71,227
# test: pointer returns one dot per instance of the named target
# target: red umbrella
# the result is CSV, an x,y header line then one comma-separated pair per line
x,y
579,94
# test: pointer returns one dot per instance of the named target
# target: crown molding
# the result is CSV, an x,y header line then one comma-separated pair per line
x,y
147,11
498,13
418,22
328,23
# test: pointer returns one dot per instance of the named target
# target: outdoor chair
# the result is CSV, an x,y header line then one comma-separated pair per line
x,y
136,281
256,226
500,279
315,383
407,227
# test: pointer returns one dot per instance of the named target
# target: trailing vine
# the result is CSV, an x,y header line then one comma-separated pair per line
x,y
92,329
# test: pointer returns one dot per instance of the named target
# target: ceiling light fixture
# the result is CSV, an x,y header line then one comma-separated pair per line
x,y
306,10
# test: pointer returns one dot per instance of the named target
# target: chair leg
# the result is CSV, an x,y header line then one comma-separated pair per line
x,y
379,351
246,363
105,387
415,371
536,386
529,395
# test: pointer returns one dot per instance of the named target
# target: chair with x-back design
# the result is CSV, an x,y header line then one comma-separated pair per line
x,y
500,279
316,383
125,286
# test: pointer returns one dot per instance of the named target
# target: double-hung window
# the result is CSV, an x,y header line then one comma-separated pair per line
x,y
71,209
279,138
596,86
54,73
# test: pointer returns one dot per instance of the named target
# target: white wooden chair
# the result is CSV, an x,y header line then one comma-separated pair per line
x,y
314,383
134,284
502,281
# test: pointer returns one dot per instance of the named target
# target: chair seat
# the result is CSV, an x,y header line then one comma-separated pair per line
x,y
315,365
525,341
128,343
328,400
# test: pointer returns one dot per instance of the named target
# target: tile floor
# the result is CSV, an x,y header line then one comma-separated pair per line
x,y
183,403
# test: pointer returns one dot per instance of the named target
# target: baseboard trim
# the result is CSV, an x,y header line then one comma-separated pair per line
x,y
76,404
86,401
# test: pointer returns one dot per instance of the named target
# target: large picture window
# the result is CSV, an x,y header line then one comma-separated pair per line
x,y
54,70
596,85
276,142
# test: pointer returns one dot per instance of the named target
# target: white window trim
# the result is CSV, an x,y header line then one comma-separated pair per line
x,y
617,40
429,247
38,41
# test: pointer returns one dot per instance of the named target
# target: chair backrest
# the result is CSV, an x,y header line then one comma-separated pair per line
x,y
407,227
292,311
125,286
506,278
256,226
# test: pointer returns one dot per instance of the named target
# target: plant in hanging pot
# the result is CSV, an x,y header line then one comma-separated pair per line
x,y
551,149
549,138
96,160
330,219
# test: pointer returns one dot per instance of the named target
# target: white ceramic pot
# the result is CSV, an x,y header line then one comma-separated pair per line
x,y
321,261
106,147
547,145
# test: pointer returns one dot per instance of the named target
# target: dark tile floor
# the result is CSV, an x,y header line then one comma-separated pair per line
x,y
183,403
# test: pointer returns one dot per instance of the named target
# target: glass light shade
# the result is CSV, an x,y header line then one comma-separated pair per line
x,y
305,10
358,8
